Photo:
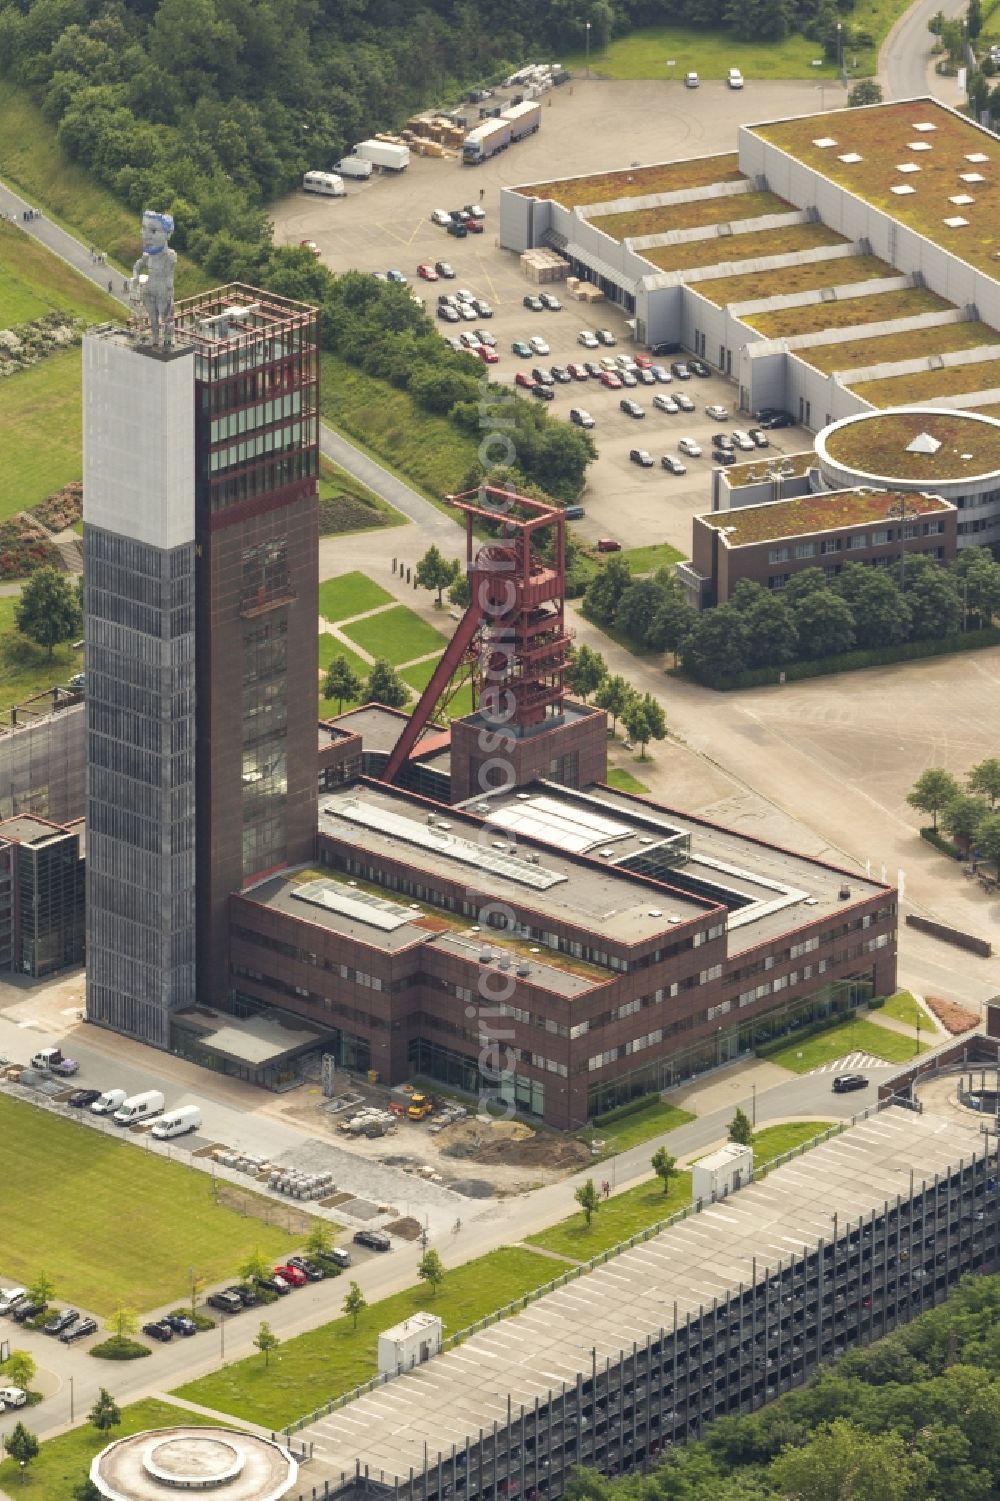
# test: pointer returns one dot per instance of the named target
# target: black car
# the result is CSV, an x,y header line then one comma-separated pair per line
x,y
776,419
482,307
181,1324
542,376
532,303
680,371
722,440
669,348
312,1269
227,1302
845,1083
561,374
642,457
760,437
245,1293
274,1285
447,313
336,1260
631,408
645,377
699,368
28,1310
61,1321
592,367
723,456
672,465
444,269
160,1330
375,1240
80,1098
78,1330
545,393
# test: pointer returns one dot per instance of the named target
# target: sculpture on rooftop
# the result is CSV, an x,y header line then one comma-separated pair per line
x,y
152,281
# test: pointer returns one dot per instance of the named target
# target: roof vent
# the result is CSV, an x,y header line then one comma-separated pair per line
x,y
606,854
524,969
810,901
485,957
414,906
444,826
844,893
482,807
673,917
923,443
655,912
352,883
504,963
474,929
524,797
646,839
499,844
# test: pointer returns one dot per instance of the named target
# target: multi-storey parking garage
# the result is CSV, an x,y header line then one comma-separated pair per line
x,y
715,1315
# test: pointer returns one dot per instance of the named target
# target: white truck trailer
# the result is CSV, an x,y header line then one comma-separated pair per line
x,y
384,154
524,119
354,166
485,141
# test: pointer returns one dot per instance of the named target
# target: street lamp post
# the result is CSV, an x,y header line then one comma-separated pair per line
x,y
222,1331
753,1104
918,1034
71,1413
902,511
588,49
840,51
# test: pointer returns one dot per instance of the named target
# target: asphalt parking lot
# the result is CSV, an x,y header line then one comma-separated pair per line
x,y
588,125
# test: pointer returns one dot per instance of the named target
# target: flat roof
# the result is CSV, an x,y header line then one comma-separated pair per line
x,y
452,1398
879,445
637,182
378,726
807,276
742,526
254,1039
25,828
768,890
863,149
692,213
847,312
861,352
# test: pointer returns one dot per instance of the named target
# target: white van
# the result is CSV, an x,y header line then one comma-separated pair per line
x,y
178,1123
139,1108
109,1102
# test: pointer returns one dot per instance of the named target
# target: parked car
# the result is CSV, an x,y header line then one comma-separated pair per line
x,y
561,375
245,1292
485,337
690,447
717,413
643,362
578,372
475,210
665,404
81,1098
723,456
662,374
338,1256
312,1269
760,438
468,312
275,1285
642,457
440,216
645,377
375,1240
699,368
458,230
611,378
592,367
588,340
538,345
226,1302
548,300
311,246
574,513
544,393
580,417
670,346
79,1330
734,78
469,340
722,440
426,271
608,544
772,417
482,307
181,1324
60,1321
605,336
691,80
521,349
743,441
625,362
845,1083
444,269
630,408
12,1396
628,379
542,375
27,1309
522,378
672,465
487,355
397,277
159,1329
474,226
680,370
453,343
447,313
533,303
684,401
293,1275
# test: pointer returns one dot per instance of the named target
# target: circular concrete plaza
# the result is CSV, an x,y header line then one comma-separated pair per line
x,y
949,452
153,1466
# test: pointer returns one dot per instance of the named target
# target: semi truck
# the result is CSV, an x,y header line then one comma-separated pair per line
x,y
524,119
384,154
354,166
485,141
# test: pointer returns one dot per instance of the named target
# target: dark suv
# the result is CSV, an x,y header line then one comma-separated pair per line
x,y
844,1083
375,1240
227,1302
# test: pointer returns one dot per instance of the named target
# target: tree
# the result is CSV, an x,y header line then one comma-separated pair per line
x,y
20,1369
320,1239
771,634
644,720
588,1199
843,1460
824,623
962,817
342,682
86,1490
435,572
932,790
974,19
42,1290
664,1166
124,1321
988,839
266,1340
385,686
105,1413
717,645
254,1268
740,1129
882,616
809,581
355,1303
430,1269
48,611
865,91
985,778
672,623
613,697
586,671
638,606
21,1445
980,583
460,592
934,600
600,599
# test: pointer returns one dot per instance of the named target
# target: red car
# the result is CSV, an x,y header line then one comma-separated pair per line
x,y
644,362
474,226
292,1275
427,271
487,355
609,378
578,372
522,378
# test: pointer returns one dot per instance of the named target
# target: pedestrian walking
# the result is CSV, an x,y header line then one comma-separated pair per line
x,y
482,194
125,285
110,286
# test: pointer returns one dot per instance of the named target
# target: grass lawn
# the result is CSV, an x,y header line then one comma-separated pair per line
x,y
617,1219
652,1120
350,594
398,635
427,450
27,669
644,54
33,281
330,647
909,344
34,465
314,1367
420,675
903,1008
649,559
925,385
851,312
70,1185
625,781
36,165
704,211
784,240
346,505
63,1462
842,271
772,1141
852,1036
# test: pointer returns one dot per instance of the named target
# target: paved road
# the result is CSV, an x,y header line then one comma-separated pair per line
x,y
904,65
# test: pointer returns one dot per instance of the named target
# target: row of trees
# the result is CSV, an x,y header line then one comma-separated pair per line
x,y
383,685
969,814
640,713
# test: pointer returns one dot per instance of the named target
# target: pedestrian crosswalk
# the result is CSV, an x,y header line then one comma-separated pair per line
x,y
850,1062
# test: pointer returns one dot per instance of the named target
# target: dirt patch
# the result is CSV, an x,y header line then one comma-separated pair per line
x,y
511,1144
284,1215
407,1228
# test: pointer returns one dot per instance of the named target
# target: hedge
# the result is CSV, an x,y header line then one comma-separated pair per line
x,y
641,1102
851,661
940,843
